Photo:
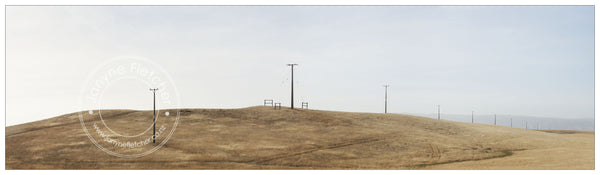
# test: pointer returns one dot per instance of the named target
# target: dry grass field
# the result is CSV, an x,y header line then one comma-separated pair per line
x,y
264,138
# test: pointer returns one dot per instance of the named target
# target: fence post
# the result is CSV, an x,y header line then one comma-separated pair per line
x,y
277,105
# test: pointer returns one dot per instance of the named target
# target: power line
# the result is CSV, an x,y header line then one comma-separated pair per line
x,y
386,87
154,116
292,65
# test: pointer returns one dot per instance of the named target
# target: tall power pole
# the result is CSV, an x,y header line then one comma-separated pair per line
x,y
438,112
511,122
292,106
154,116
472,116
494,119
386,86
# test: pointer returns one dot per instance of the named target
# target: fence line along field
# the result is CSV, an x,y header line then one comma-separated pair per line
x,y
264,138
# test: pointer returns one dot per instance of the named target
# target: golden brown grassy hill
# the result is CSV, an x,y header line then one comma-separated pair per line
x,y
264,138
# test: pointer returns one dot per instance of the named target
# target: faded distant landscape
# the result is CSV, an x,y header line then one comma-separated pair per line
x,y
545,123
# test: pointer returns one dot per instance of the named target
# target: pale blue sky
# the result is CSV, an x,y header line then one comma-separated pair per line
x,y
519,60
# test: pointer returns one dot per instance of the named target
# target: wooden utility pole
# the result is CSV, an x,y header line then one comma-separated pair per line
x,y
494,119
472,116
438,112
292,65
154,116
386,87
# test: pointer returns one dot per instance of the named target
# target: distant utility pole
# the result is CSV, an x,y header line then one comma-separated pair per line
x,y
472,116
511,122
386,86
494,119
526,125
154,116
438,112
292,106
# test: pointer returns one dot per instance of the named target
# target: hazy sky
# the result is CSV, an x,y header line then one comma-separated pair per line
x,y
519,60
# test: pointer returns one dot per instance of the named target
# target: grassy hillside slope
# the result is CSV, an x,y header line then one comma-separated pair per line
x,y
264,138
